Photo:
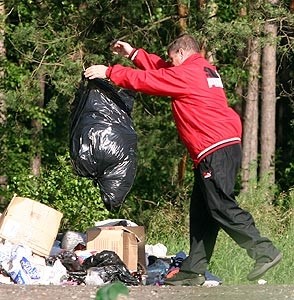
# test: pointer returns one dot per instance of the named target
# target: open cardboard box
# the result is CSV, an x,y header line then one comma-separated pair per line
x,y
31,223
139,231
124,241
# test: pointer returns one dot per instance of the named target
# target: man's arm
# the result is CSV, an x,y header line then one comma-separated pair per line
x,y
141,58
161,82
148,61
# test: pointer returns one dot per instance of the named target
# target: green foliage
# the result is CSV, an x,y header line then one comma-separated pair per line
x,y
58,187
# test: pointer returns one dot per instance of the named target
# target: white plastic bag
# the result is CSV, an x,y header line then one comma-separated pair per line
x,y
19,266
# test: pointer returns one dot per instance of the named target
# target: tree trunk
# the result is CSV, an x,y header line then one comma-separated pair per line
x,y
182,169
212,7
240,88
3,113
36,160
250,121
2,55
292,6
200,4
183,11
268,107
37,128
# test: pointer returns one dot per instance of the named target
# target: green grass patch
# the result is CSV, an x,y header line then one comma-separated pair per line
x,y
169,225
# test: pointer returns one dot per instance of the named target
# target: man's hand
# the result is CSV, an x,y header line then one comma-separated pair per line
x,y
122,48
96,71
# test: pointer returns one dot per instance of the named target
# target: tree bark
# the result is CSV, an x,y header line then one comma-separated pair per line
x,y
240,87
292,6
182,169
183,11
200,4
212,7
3,112
3,115
268,107
36,160
250,119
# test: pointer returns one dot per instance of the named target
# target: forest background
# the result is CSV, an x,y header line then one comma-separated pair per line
x,y
44,47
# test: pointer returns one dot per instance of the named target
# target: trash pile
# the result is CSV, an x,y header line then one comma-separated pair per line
x,y
31,252
18,265
160,266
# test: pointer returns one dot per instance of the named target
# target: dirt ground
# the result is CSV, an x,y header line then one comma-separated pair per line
x,y
242,292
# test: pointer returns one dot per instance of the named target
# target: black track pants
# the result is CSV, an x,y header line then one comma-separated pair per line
x,y
213,206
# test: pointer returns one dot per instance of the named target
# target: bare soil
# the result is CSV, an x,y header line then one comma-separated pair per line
x,y
240,292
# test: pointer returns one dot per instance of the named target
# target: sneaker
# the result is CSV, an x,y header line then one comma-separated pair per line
x,y
186,279
261,268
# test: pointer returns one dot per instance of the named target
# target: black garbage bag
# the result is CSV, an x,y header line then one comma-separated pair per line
x,y
70,260
75,271
108,265
103,142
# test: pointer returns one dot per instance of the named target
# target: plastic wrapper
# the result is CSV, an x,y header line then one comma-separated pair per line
x,y
156,272
75,272
103,142
71,239
22,267
19,266
93,277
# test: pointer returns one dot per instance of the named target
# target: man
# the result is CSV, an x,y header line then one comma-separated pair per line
x,y
211,131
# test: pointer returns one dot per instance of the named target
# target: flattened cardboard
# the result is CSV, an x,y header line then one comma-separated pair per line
x,y
31,223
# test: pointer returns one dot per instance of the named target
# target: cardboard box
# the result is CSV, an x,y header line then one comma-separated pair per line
x,y
118,239
139,231
30,223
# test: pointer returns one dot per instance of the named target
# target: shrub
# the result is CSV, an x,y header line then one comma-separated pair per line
x,y
60,188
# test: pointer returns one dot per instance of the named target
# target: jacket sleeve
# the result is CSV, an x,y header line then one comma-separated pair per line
x,y
148,61
161,82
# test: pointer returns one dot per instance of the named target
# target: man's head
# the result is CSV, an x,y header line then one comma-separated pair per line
x,y
181,48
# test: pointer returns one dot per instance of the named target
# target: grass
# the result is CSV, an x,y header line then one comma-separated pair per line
x,y
169,226
229,261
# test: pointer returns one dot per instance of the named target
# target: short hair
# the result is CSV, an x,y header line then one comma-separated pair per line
x,y
184,41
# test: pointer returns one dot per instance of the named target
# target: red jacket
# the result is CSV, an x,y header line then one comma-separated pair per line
x,y
203,118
